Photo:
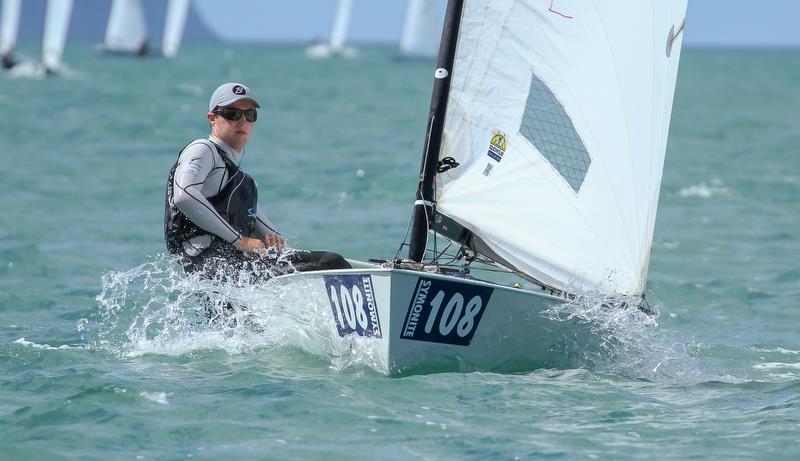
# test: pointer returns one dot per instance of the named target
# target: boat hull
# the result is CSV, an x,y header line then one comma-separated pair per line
x,y
416,322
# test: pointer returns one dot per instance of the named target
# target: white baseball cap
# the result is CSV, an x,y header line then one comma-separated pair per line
x,y
229,93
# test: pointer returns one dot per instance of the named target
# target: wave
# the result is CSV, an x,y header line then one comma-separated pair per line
x,y
704,190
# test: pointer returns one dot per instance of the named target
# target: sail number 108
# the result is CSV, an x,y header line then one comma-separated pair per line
x,y
452,314
445,312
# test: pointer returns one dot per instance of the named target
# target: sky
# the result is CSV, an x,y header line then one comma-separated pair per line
x,y
736,23
709,22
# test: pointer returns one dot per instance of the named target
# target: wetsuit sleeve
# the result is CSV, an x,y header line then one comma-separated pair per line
x,y
264,226
196,162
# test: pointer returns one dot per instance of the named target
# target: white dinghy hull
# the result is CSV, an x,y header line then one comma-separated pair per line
x,y
416,322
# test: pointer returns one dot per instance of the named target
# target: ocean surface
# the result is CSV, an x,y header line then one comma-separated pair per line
x,y
95,366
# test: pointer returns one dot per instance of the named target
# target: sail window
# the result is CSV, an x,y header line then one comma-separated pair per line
x,y
547,126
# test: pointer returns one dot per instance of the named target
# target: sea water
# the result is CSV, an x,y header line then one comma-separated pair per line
x,y
102,355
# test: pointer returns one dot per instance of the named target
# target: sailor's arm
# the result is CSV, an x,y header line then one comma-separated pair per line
x,y
266,231
196,162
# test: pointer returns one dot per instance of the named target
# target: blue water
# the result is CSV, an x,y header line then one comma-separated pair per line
x,y
93,366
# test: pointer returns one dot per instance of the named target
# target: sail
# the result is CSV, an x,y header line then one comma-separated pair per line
x,y
9,25
340,24
177,11
126,31
557,116
421,29
56,26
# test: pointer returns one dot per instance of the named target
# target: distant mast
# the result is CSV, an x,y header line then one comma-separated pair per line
x,y
340,24
56,26
420,30
9,27
336,42
177,11
126,31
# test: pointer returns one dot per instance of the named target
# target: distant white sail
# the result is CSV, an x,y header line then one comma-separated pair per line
x,y
421,29
341,23
558,118
56,26
126,31
9,25
177,11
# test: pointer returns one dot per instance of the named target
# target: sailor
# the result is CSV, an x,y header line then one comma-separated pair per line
x,y
212,220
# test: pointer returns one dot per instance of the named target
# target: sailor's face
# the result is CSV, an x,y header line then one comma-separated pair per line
x,y
235,133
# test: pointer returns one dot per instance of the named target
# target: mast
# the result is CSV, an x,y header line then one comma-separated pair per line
x,y
423,206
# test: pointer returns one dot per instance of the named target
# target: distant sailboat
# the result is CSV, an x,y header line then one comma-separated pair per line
x,y
336,44
56,26
421,30
54,38
8,31
177,11
126,32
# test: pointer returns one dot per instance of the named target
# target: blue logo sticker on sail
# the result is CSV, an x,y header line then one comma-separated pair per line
x,y
353,303
445,312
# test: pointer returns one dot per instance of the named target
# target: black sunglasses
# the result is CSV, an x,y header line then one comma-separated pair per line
x,y
233,114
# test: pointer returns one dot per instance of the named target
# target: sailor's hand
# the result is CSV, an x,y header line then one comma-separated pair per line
x,y
273,240
248,244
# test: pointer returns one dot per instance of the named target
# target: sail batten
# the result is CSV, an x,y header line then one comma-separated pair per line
x,y
559,122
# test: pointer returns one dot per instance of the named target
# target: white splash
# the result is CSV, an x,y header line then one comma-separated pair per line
x,y
704,190
33,345
157,397
626,340
155,308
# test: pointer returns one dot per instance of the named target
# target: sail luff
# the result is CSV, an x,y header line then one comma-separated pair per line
x,y
177,11
56,26
421,219
9,26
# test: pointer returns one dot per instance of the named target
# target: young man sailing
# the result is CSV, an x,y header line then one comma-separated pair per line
x,y
212,220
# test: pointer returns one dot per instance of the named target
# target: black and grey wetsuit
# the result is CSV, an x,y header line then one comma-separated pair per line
x,y
209,198
210,204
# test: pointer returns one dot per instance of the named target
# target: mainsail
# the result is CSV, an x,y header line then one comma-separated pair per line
x,y
421,29
126,31
56,26
177,11
340,24
9,26
554,136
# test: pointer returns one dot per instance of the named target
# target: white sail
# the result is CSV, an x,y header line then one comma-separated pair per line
x,y
126,31
558,116
340,24
9,25
56,26
421,29
177,11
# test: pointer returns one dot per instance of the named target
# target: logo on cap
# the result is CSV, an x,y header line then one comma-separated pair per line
x,y
239,89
